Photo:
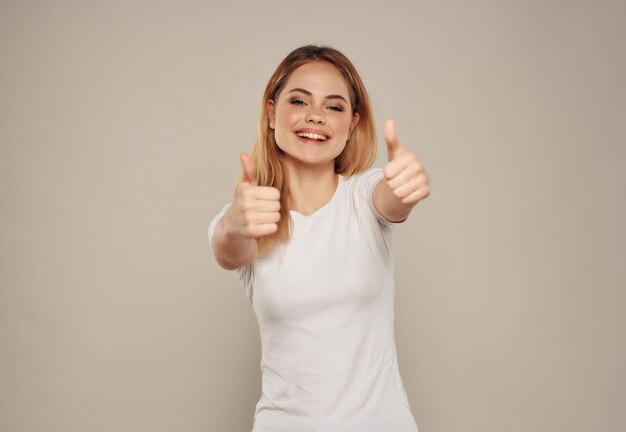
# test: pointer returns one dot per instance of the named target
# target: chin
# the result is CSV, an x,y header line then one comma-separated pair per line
x,y
318,156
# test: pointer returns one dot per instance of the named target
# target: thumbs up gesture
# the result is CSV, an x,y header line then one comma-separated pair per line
x,y
255,209
405,175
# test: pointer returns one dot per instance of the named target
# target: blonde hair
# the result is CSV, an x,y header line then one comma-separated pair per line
x,y
358,155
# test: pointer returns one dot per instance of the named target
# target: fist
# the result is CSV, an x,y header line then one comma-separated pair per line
x,y
405,175
255,209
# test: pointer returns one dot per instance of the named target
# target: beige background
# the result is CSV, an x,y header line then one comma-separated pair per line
x,y
120,126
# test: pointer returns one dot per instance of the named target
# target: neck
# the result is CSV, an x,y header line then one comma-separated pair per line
x,y
311,187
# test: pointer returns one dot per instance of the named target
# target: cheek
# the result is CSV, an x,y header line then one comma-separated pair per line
x,y
286,116
343,126
284,122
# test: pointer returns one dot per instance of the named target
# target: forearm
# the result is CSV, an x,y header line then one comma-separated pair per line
x,y
232,250
389,205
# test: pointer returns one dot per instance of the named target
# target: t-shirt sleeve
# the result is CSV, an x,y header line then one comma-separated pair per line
x,y
365,184
214,222
377,229
243,273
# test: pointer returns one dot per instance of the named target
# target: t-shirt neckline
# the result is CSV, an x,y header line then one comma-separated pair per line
x,y
323,208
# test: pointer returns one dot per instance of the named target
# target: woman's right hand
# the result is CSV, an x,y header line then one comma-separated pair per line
x,y
255,209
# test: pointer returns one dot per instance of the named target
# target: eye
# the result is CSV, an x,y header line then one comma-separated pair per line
x,y
336,108
296,101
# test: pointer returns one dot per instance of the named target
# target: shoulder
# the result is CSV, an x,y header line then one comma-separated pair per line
x,y
370,175
362,185
359,189
364,182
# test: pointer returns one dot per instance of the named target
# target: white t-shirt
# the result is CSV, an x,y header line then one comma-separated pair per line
x,y
324,305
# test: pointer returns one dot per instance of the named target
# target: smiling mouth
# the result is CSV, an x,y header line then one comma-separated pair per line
x,y
312,136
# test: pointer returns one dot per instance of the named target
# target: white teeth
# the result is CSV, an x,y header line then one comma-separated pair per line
x,y
312,136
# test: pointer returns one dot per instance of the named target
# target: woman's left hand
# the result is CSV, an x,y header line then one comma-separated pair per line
x,y
405,175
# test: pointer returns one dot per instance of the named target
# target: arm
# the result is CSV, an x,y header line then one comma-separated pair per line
x,y
406,181
230,249
254,213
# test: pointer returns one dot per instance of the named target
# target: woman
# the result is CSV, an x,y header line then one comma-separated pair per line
x,y
309,233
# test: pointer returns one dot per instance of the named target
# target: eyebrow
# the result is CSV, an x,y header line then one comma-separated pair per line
x,y
308,93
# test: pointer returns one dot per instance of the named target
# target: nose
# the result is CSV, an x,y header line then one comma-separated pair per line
x,y
315,116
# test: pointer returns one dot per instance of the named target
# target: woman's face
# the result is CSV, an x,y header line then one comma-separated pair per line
x,y
312,116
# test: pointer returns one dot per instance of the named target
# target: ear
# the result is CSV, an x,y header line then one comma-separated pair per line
x,y
355,120
270,114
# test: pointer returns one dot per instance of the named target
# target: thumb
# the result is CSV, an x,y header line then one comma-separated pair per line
x,y
391,138
248,168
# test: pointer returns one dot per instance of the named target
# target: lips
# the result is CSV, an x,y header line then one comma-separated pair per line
x,y
312,135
